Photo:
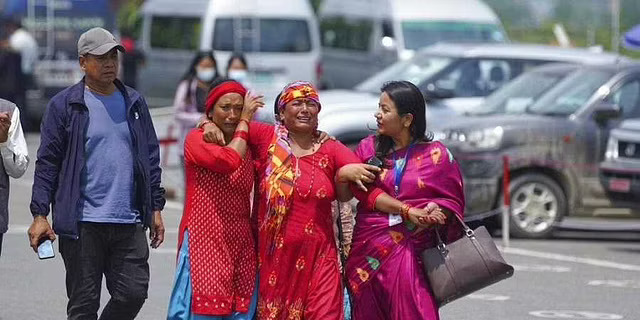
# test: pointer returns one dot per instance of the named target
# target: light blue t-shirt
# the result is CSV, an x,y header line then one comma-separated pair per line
x,y
107,189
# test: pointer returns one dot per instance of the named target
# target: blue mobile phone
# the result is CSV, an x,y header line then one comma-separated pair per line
x,y
45,250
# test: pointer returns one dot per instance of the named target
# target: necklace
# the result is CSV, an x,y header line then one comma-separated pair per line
x,y
299,173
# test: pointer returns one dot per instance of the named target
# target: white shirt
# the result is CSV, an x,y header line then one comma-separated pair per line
x,y
15,154
24,43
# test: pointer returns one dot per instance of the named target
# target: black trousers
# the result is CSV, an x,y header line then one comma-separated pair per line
x,y
121,253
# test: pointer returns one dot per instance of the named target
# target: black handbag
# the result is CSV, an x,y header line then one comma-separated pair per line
x,y
464,266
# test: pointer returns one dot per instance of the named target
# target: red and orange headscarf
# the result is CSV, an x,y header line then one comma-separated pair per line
x,y
280,172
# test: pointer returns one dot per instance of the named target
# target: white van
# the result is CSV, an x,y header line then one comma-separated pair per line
x,y
361,37
278,37
170,39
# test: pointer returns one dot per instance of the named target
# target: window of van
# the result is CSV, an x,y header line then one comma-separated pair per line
x,y
418,34
175,32
261,35
352,34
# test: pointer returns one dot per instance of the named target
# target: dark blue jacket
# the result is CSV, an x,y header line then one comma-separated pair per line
x,y
61,158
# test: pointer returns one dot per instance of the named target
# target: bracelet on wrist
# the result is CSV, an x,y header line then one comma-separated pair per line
x,y
242,135
404,211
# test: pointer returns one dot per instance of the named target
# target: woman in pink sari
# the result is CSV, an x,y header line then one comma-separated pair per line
x,y
384,269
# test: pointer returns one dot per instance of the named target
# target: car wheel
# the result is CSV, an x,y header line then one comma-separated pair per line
x,y
537,205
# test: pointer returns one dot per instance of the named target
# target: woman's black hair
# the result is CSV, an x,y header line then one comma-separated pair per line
x,y
191,71
408,100
190,75
276,108
239,56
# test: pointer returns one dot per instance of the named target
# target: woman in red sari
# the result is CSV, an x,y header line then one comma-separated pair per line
x,y
216,273
297,255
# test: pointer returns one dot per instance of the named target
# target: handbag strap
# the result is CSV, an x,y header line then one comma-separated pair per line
x,y
467,231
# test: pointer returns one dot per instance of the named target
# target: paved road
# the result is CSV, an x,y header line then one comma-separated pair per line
x,y
576,276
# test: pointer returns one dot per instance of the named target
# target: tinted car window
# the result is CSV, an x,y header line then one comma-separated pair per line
x,y
419,34
627,98
261,35
175,33
351,34
476,77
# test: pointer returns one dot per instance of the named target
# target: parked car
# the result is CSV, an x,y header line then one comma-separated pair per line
x,y
440,67
361,37
555,145
620,170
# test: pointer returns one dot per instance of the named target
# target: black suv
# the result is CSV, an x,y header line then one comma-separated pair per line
x,y
555,144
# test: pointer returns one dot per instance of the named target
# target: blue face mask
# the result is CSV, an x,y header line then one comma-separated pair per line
x,y
205,74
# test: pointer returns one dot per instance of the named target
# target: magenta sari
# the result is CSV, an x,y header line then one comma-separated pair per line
x,y
384,270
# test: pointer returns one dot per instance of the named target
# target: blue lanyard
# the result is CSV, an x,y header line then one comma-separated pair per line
x,y
400,168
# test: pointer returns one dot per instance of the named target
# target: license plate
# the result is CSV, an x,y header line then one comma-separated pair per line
x,y
620,185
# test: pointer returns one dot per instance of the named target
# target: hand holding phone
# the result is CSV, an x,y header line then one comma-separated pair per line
x,y
45,250
375,161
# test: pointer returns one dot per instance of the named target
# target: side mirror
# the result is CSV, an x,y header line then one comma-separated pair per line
x,y
434,92
606,111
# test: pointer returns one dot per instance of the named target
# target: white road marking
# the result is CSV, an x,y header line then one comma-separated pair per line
x,y
540,268
568,258
633,284
488,297
568,314
164,251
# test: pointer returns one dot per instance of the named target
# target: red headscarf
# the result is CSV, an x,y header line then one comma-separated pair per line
x,y
220,90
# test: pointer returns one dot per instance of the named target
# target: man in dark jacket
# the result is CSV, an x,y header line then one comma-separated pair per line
x,y
98,168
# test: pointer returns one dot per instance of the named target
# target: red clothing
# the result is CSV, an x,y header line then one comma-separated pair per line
x,y
216,213
300,279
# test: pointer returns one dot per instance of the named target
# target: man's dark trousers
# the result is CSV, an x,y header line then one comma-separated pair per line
x,y
120,252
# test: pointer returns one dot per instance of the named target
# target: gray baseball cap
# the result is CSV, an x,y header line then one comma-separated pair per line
x,y
97,41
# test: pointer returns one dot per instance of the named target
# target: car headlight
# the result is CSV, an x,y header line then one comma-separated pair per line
x,y
612,149
485,139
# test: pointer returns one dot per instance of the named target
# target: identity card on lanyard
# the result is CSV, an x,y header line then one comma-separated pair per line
x,y
400,165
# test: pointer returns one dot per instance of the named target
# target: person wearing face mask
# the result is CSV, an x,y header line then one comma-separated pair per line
x,y
237,68
189,102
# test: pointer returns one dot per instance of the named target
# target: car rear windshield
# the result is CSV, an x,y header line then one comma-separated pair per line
x,y
516,96
261,35
418,34
572,93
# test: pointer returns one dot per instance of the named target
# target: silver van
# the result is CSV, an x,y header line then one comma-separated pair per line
x,y
361,37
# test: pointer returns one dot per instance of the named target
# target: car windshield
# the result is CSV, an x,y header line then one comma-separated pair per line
x,y
261,35
416,70
418,34
516,96
571,93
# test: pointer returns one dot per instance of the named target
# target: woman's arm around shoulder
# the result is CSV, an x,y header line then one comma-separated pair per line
x,y
221,159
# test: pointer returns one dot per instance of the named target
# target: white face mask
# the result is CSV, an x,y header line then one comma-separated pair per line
x,y
238,75
205,74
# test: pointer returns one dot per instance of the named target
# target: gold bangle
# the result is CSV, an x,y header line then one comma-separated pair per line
x,y
404,211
